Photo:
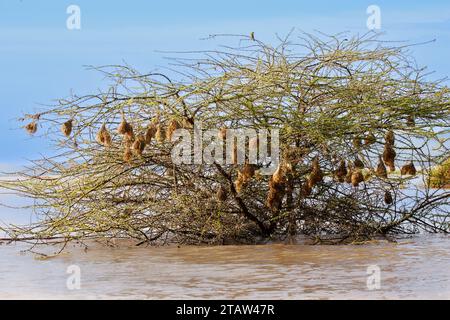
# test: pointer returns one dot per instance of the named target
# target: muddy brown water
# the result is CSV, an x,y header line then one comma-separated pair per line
x,y
413,268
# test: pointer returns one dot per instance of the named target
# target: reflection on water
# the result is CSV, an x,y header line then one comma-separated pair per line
x,y
413,268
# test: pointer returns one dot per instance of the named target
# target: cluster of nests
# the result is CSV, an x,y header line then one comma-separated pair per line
x,y
351,173
134,144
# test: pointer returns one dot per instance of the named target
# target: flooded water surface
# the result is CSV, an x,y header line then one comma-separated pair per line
x,y
413,268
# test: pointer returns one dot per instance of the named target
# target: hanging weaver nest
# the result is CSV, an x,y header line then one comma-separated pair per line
x,y
390,137
172,126
357,177
31,127
316,175
104,137
341,172
408,169
150,133
389,155
388,198
139,145
277,188
160,133
381,169
66,128
127,154
244,176
126,129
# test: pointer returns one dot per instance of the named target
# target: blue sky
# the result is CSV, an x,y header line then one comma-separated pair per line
x,y
42,60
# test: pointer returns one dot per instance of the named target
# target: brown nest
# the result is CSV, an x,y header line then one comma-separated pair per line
x,y
104,137
127,154
139,145
275,195
279,176
341,171
171,128
277,188
159,134
275,199
389,155
31,127
357,177
125,128
388,197
316,175
244,176
408,169
150,133
381,169
390,137
66,128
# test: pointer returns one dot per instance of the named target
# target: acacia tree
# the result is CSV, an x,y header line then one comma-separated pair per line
x,y
361,127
